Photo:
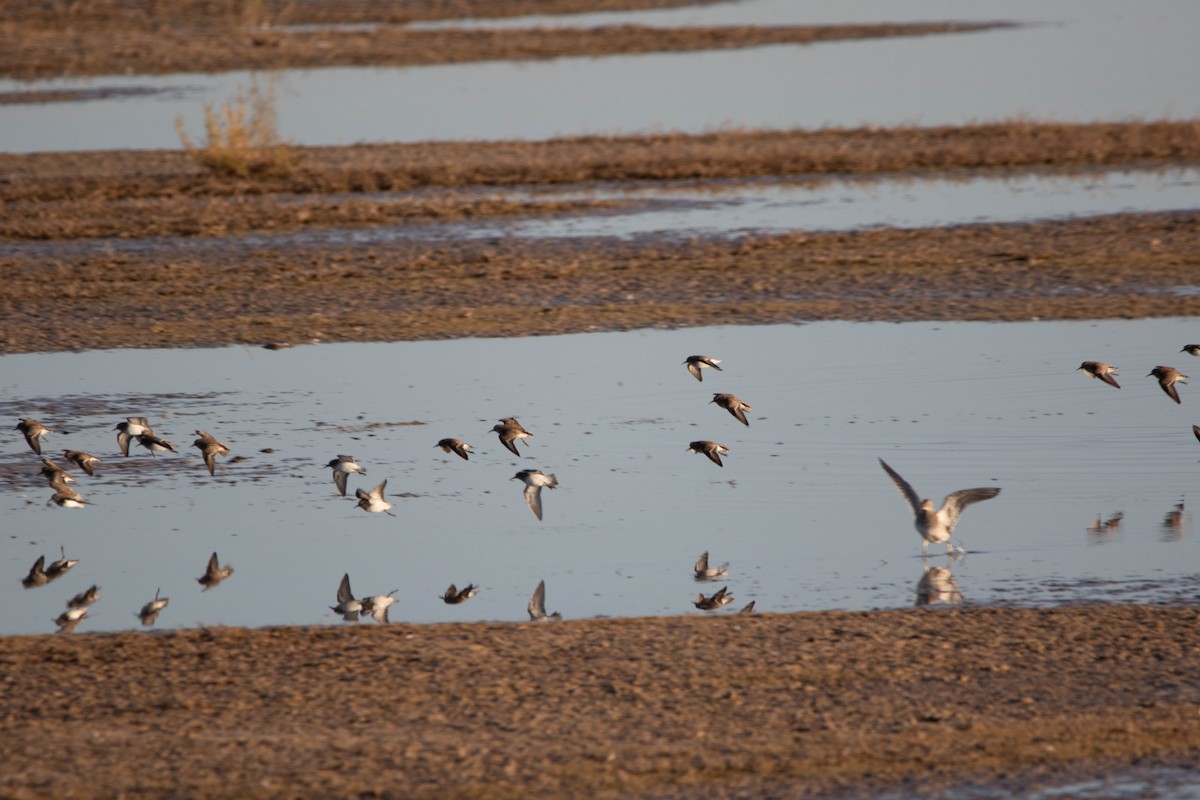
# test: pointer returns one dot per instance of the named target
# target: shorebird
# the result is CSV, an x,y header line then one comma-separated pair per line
x,y
373,500
534,480
210,448
56,476
748,608
343,467
937,525
67,620
714,601
85,461
733,405
214,573
537,605
697,363
85,598
704,572
937,585
131,427
347,606
1167,378
67,498
37,574
377,606
1098,369
510,431
1099,525
62,566
1191,349
154,444
714,450
34,431
458,446
151,610
453,596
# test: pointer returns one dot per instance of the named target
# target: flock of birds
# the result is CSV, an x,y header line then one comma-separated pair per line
x,y
934,524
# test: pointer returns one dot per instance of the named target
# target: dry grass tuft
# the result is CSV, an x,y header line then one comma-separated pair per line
x,y
241,138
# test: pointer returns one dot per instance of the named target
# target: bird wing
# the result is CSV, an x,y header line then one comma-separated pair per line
x,y
694,368
537,602
1109,379
344,595
210,459
339,480
903,486
533,497
702,563
510,443
123,442
954,503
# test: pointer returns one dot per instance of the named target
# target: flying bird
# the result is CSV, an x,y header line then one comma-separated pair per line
x,y
1191,349
704,572
37,574
69,619
537,605
61,566
377,606
343,467
373,500
85,461
210,448
34,431
151,610
937,525
1098,369
457,446
510,432
733,405
714,450
453,596
697,363
347,606
131,427
716,600
534,480
214,574
85,598
1167,378
155,444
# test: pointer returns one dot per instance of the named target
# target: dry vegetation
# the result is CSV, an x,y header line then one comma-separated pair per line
x,y
241,138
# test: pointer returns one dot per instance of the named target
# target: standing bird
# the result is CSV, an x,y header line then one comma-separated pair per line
x,y
537,605
210,448
373,500
1191,349
377,606
85,461
62,566
714,450
347,606
733,405
453,596
509,431
154,444
214,573
706,573
1098,369
937,525
534,480
1167,378
697,363
151,610
457,446
343,467
131,427
34,431
37,574
715,601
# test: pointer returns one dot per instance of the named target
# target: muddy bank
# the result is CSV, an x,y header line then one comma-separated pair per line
x,y
162,294
792,705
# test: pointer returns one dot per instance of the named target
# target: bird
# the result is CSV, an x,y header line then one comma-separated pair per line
x,y
1098,369
34,431
1099,525
1167,378
62,566
534,480
937,525
1191,349
347,606
1196,432
377,606
537,605
56,476
697,363
704,572
343,467
85,598
85,461
131,427
67,620
458,446
748,608
373,500
66,498
214,573
733,405
716,600
714,450
937,585
210,448
453,596
151,610
37,574
510,431
154,444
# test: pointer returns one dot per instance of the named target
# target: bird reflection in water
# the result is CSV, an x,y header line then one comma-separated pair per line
x,y
937,585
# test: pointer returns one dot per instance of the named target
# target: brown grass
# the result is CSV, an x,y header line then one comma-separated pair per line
x,y
241,138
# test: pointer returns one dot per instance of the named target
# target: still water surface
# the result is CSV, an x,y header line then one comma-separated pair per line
x,y
801,510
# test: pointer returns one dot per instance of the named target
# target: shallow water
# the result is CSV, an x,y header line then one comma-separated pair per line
x,y
801,510
1078,60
